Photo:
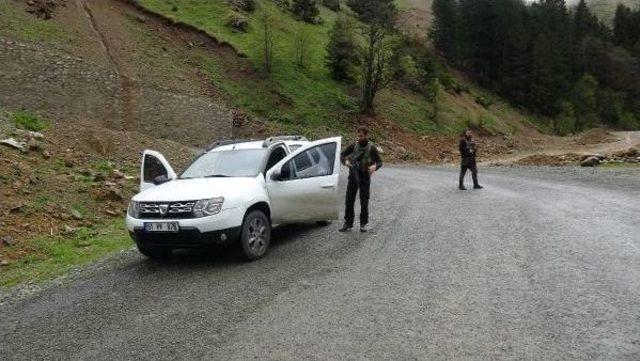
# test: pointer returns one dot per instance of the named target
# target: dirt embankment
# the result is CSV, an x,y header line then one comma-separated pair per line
x,y
602,146
135,72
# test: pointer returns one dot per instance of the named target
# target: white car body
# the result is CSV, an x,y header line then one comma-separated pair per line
x,y
303,189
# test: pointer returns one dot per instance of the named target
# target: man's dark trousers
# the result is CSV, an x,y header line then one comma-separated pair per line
x,y
362,182
469,164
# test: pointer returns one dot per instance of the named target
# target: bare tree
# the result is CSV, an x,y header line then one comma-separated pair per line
x,y
375,59
267,28
378,18
300,47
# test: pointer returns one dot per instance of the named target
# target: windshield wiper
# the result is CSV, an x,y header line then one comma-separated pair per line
x,y
216,176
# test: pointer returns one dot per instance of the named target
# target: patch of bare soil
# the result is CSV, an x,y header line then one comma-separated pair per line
x,y
549,160
595,136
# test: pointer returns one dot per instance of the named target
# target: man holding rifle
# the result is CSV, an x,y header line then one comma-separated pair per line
x,y
468,160
363,161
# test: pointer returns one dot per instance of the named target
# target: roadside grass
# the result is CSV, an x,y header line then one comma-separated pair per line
x,y
29,121
51,256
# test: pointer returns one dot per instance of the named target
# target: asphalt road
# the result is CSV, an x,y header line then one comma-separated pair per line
x,y
542,264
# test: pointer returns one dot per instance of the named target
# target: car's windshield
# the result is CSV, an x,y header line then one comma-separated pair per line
x,y
231,163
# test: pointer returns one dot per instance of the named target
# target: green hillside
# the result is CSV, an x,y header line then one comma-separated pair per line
x,y
307,99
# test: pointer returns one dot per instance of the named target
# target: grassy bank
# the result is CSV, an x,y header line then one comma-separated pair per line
x,y
50,256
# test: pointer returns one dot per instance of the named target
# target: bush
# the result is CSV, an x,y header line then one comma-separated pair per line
x,y
237,22
628,122
307,10
342,58
450,84
244,5
485,101
29,121
284,4
332,4
410,74
565,123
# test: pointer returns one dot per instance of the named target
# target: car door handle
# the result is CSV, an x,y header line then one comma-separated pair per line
x,y
329,186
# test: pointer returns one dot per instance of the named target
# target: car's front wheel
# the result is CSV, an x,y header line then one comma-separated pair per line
x,y
255,236
156,254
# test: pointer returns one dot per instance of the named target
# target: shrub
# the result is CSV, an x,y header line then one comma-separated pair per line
x,y
332,4
629,122
28,121
342,56
307,10
244,5
284,4
565,123
485,101
237,22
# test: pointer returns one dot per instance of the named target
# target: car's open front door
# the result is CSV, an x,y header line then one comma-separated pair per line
x,y
154,165
304,186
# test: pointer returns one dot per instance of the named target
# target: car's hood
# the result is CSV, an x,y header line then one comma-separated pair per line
x,y
199,188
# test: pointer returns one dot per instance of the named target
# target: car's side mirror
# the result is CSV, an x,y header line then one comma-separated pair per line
x,y
276,175
160,179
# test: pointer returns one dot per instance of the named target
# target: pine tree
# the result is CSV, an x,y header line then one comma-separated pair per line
x,y
443,29
341,56
306,10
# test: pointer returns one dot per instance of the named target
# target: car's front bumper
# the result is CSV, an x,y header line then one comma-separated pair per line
x,y
194,232
185,238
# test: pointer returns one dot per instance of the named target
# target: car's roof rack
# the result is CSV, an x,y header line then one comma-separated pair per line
x,y
221,143
281,138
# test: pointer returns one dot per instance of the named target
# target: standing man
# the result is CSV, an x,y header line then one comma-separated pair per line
x,y
468,159
363,161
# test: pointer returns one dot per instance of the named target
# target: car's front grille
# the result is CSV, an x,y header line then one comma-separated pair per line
x,y
155,210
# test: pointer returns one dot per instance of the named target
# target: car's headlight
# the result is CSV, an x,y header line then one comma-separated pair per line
x,y
134,209
207,207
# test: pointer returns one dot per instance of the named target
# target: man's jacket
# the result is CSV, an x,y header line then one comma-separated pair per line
x,y
361,156
467,150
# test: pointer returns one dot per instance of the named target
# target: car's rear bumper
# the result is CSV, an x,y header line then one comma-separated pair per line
x,y
187,237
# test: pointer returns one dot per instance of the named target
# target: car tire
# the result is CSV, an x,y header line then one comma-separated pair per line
x,y
155,254
255,235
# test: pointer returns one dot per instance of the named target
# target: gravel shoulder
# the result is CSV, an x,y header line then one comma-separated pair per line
x,y
542,264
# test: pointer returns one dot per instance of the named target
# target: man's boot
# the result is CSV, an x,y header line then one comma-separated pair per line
x,y
345,228
477,186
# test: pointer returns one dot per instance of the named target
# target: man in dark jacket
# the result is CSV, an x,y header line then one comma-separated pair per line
x,y
468,159
363,161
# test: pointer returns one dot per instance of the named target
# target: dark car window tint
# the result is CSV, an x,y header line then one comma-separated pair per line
x,y
277,155
323,157
302,161
153,168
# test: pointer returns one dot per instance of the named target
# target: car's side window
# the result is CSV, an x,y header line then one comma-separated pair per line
x,y
276,156
153,168
315,162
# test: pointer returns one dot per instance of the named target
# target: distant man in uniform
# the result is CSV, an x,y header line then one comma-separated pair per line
x,y
363,161
468,159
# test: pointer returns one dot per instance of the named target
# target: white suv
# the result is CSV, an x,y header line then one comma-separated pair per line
x,y
235,191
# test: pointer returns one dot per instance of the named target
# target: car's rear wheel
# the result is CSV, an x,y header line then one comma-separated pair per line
x,y
156,254
255,236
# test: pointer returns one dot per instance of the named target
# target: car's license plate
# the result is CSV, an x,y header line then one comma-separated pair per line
x,y
162,227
